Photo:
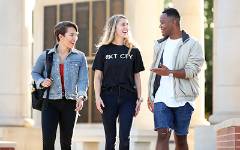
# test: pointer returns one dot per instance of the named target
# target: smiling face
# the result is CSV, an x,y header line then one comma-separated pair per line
x,y
166,25
122,28
69,39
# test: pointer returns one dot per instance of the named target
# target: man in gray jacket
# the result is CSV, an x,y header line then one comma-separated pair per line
x,y
173,83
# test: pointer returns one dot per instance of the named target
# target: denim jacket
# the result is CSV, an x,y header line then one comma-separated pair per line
x,y
75,75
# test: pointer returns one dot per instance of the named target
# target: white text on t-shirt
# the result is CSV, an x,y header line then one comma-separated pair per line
x,y
116,56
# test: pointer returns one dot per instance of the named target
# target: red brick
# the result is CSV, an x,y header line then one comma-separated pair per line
x,y
226,137
227,143
237,136
7,148
237,143
237,129
224,148
227,130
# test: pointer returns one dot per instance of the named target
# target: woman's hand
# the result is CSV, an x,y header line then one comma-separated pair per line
x,y
150,105
46,83
137,108
79,104
99,104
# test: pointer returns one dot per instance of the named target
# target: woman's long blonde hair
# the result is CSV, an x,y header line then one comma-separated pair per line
x,y
109,33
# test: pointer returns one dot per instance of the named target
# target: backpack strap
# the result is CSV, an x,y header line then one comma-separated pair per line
x,y
49,61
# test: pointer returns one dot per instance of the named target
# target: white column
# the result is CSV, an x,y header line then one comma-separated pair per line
x,y
15,61
38,35
192,21
226,73
144,23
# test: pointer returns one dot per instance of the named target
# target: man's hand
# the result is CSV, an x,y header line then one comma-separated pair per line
x,y
150,104
162,71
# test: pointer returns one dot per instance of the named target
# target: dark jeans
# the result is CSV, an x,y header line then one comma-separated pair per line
x,y
119,103
56,112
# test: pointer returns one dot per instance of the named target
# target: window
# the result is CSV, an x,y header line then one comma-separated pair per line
x,y
90,16
66,12
50,19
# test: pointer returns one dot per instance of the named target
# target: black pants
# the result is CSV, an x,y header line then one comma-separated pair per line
x,y
56,112
120,104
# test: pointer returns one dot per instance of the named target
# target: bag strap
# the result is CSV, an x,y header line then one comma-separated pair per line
x,y
49,60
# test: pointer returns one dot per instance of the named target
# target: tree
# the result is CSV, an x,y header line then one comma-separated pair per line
x,y
208,40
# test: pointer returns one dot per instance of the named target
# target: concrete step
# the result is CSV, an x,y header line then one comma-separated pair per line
x,y
7,145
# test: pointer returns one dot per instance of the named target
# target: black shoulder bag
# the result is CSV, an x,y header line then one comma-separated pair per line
x,y
37,94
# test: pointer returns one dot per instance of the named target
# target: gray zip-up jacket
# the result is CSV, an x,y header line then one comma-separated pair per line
x,y
188,56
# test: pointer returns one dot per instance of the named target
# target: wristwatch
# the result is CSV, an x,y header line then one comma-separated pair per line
x,y
83,98
140,99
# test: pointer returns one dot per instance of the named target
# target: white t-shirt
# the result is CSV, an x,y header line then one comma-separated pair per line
x,y
165,92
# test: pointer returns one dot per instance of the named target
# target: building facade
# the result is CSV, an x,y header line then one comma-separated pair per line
x,y
27,30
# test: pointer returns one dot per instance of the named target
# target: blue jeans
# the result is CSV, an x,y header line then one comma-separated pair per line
x,y
176,118
119,103
56,112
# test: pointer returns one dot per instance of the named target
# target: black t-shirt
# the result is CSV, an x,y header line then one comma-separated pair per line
x,y
117,66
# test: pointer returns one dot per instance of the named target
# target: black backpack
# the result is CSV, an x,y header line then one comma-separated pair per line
x,y
37,94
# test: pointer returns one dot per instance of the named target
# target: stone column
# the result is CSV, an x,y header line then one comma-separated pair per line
x,y
192,21
144,23
226,84
15,62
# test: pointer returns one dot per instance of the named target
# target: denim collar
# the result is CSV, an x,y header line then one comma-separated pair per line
x,y
54,49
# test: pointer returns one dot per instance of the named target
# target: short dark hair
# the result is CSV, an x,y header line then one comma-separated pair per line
x,y
172,12
61,28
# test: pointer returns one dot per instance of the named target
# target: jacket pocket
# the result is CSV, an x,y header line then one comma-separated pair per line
x,y
74,67
184,88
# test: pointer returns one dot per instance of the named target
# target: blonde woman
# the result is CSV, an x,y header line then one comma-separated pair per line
x,y
117,83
